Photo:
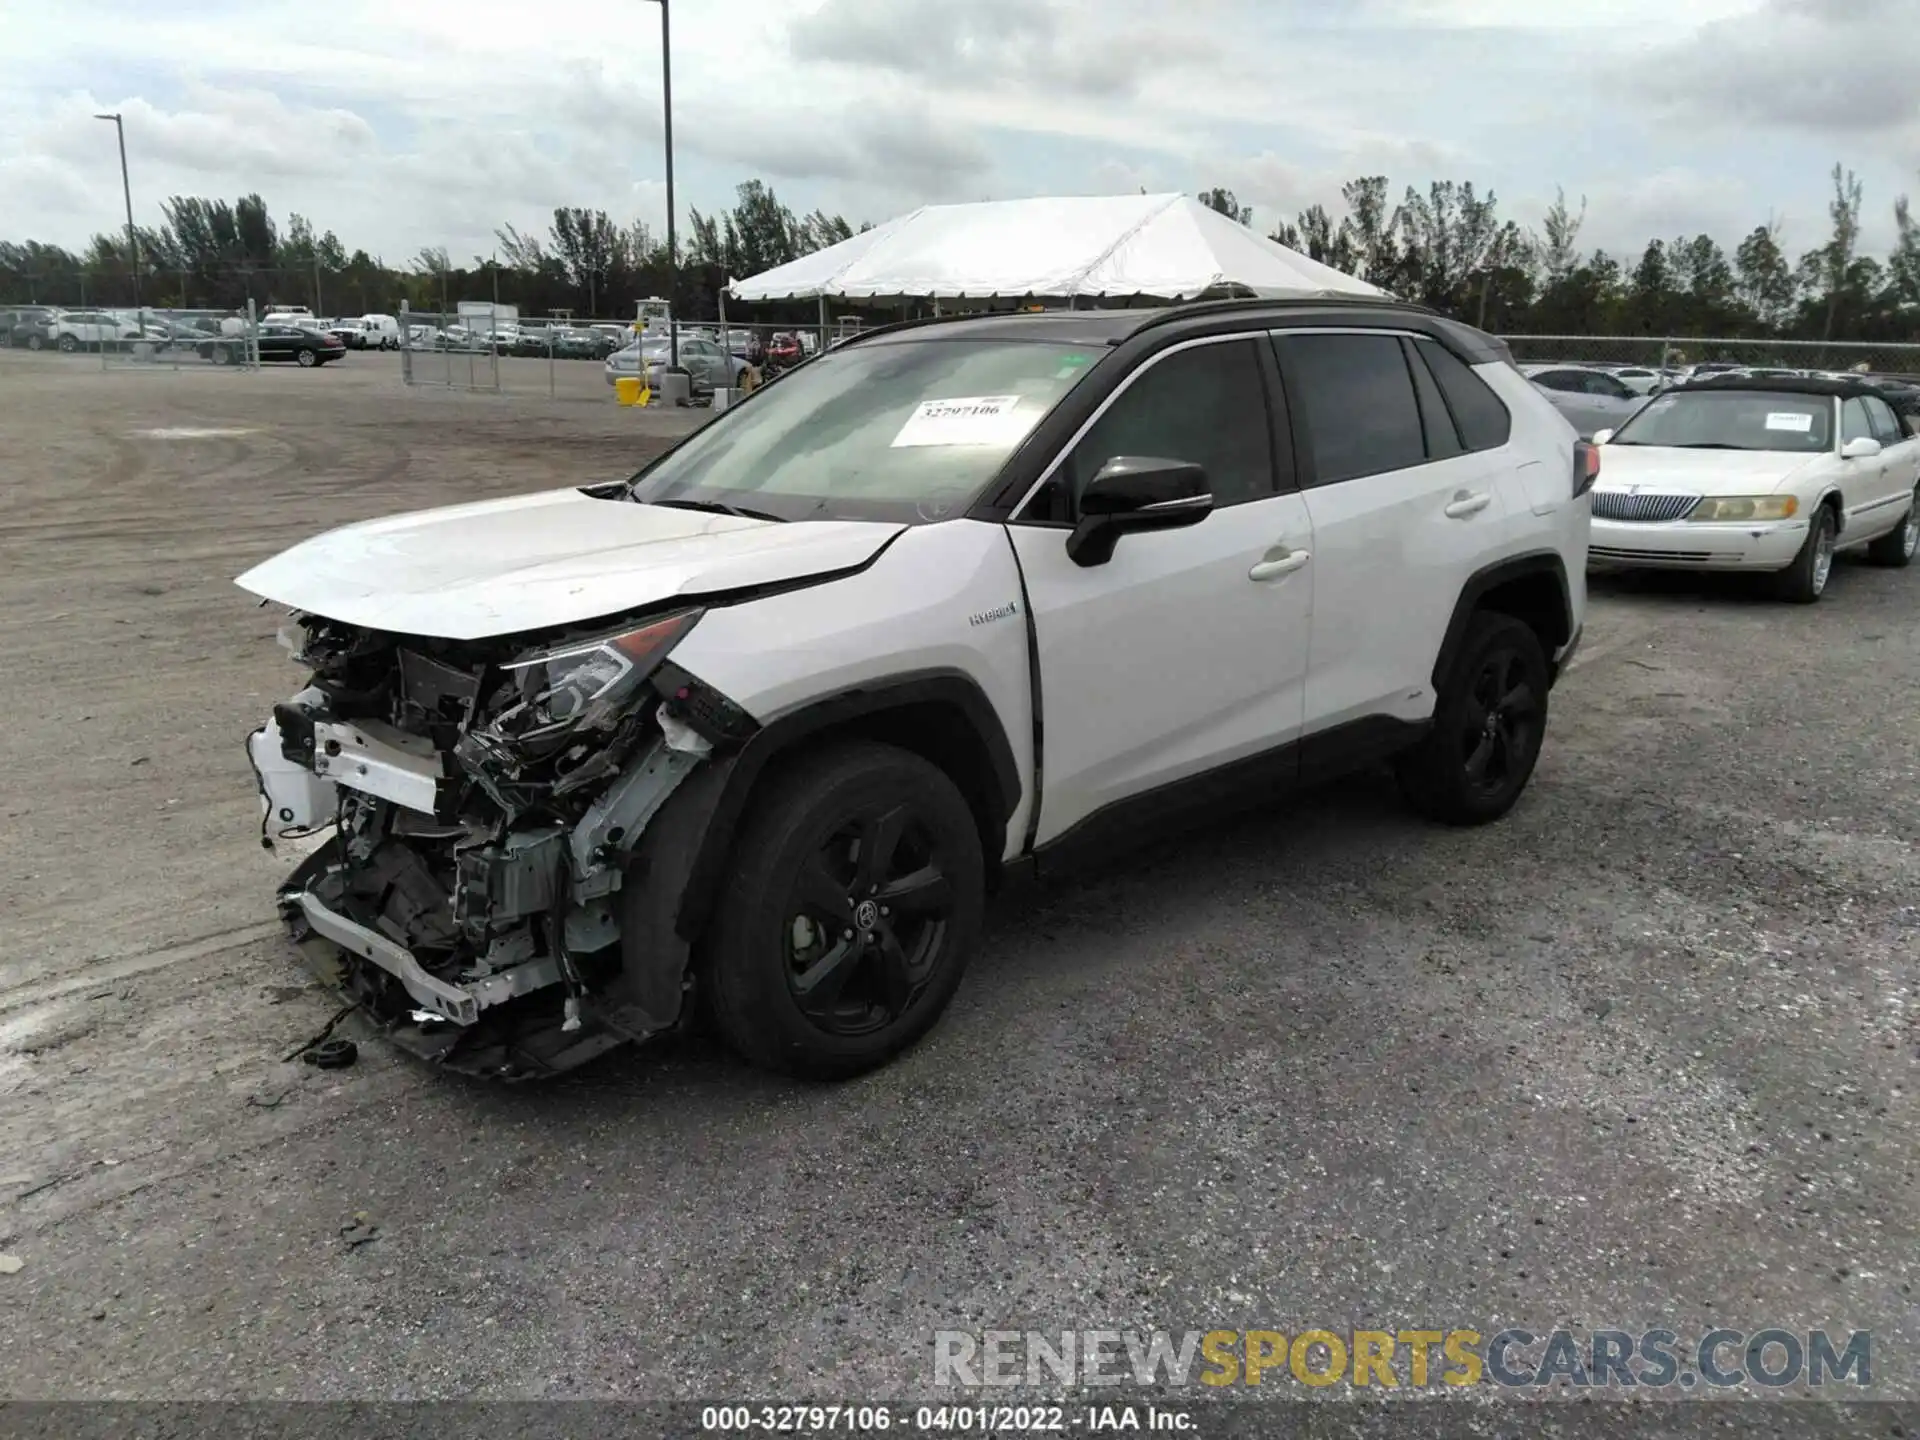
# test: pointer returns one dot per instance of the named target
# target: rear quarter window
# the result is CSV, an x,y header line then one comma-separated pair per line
x,y
1482,418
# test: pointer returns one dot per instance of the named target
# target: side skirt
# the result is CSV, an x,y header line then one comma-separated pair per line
x,y
1231,789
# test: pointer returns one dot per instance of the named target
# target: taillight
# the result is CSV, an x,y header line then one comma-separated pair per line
x,y
1586,466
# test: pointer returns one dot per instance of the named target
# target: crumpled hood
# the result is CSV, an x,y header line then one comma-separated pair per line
x,y
499,567
1656,469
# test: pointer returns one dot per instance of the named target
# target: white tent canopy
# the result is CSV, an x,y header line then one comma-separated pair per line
x,y
1167,247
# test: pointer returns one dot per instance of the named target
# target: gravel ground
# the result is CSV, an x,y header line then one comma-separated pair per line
x,y
1641,1055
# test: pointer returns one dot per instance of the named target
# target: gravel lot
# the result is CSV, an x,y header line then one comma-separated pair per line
x,y
1641,1055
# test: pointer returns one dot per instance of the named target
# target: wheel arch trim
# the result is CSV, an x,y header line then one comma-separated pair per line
x,y
1485,580
950,688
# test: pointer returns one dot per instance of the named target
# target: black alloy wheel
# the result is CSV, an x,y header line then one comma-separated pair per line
x,y
1500,733
869,915
852,904
1489,722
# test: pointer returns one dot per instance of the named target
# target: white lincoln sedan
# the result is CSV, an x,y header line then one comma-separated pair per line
x,y
1758,474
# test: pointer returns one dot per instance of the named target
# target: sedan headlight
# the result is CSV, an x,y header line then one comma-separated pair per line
x,y
1746,507
587,685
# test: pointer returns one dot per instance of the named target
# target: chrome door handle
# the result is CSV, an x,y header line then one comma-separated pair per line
x,y
1272,568
1462,505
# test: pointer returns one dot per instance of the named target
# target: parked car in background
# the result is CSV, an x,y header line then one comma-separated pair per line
x,y
785,351
580,343
1590,399
26,327
1743,473
349,332
169,333
707,365
382,332
297,344
1640,379
74,330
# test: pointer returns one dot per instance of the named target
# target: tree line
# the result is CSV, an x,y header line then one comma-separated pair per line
x,y
1447,247
1450,249
212,254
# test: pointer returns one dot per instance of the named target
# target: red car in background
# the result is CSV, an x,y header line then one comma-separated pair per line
x,y
784,350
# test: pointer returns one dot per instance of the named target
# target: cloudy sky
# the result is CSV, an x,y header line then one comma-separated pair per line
x,y
406,123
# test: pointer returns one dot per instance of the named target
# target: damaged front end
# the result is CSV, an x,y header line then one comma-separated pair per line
x,y
486,802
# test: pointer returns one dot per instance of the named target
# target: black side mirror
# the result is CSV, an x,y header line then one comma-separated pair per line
x,y
1135,493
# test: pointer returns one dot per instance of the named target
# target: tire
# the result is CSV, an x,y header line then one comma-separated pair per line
x,y
68,344
1487,727
801,855
306,359
221,355
1805,580
36,342
1895,548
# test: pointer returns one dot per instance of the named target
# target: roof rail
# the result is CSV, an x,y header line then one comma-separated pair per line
x,y
917,323
1187,309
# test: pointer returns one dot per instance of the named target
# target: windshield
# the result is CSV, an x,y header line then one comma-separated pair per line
x,y
908,430
1733,420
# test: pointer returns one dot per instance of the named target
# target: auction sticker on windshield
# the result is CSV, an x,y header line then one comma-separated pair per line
x,y
1797,421
964,420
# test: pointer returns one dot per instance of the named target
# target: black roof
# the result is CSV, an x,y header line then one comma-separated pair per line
x,y
1116,326
1790,385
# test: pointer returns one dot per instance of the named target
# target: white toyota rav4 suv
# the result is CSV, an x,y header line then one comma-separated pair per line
x,y
961,599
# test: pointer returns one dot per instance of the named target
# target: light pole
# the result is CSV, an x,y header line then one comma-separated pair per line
x,y
673,251
126,190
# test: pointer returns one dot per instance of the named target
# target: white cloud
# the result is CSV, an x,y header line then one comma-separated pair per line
x,y
431,122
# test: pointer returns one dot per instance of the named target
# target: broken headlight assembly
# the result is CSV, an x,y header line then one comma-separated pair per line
x,y
584,685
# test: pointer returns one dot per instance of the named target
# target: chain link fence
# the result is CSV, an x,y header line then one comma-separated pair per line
x,y
149,336
1674,356
499,349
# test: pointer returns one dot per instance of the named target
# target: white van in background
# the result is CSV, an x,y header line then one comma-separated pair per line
x,y
383,332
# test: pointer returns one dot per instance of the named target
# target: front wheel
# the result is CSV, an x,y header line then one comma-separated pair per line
x,y
68,344
1805,580
851,911
35,342
1488,725
1895,548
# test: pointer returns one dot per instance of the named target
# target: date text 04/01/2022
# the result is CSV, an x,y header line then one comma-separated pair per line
x,y
942,1419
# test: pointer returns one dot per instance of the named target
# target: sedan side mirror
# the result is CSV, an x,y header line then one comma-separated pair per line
x,y
1135,493
1863,447
1601,437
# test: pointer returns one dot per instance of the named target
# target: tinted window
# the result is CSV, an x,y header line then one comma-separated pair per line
x,y
1567,380
1483,420
1854,424
1885,428
1354,394
1207,405
1443,439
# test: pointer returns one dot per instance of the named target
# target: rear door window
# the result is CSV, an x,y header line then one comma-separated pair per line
x,y
1353,396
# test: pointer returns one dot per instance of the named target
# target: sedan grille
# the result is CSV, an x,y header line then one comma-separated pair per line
x,y
1616,505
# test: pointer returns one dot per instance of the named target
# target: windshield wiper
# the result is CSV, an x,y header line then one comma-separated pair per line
x,y
717,508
